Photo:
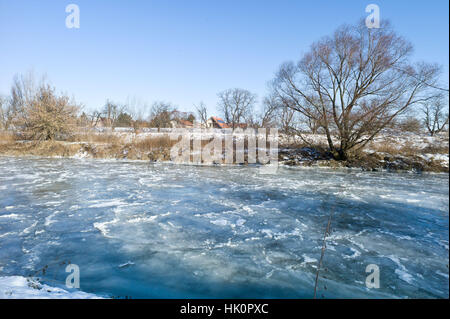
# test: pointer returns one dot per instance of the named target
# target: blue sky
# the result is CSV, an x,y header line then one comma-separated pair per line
x,y
187,51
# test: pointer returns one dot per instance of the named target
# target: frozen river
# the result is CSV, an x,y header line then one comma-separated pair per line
x,y
166,231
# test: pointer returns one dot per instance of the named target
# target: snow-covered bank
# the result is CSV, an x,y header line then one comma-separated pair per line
x,y
367,161
388,151
18,287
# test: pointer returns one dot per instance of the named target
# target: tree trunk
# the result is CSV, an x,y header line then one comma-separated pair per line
x,y
340,154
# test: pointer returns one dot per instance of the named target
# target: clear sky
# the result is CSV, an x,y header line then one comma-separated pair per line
x,y
187,51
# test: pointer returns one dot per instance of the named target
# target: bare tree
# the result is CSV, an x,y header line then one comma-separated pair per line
x,y
313,124
236,105
23,91
161,114
353,84
4,113
95,118
112,111
436,119
202,112
269,113
136,109
287,121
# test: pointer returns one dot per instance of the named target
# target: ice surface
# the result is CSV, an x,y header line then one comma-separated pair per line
x,y
173,231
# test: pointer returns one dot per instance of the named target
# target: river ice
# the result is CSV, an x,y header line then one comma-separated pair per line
x,y
173,231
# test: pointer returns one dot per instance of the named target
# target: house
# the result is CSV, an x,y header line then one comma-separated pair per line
x,y
180,123
216,122
185,123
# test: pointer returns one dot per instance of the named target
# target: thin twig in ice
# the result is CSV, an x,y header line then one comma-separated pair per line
x,y
324,246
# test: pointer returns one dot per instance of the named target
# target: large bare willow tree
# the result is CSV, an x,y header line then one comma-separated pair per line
x,y
353,84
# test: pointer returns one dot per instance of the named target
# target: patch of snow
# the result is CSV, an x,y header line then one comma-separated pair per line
x,y
18,287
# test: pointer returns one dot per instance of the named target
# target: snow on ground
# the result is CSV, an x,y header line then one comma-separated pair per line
x,y
443,158
18,287
397,138
128,134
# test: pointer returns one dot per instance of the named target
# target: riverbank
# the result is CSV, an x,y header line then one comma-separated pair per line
x,y
367,161
399,153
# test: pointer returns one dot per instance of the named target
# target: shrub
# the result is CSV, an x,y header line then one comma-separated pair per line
x,y
48,116
410,124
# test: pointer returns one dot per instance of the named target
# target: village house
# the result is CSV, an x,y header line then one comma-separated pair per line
x,y
216,122
180,123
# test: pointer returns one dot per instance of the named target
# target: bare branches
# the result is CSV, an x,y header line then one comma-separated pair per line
x,y
236,105
112,111
269,113
161,114
95,118
436,119
5,113
202,112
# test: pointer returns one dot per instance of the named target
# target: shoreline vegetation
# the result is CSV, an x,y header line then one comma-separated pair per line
x,y
402,152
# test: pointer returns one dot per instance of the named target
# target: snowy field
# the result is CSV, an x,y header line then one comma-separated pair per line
x,y
174,231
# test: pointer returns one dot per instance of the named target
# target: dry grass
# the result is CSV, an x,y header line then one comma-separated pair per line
x,y
39,148
152,143
388,148
7,137
91,137
408,149
436,149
